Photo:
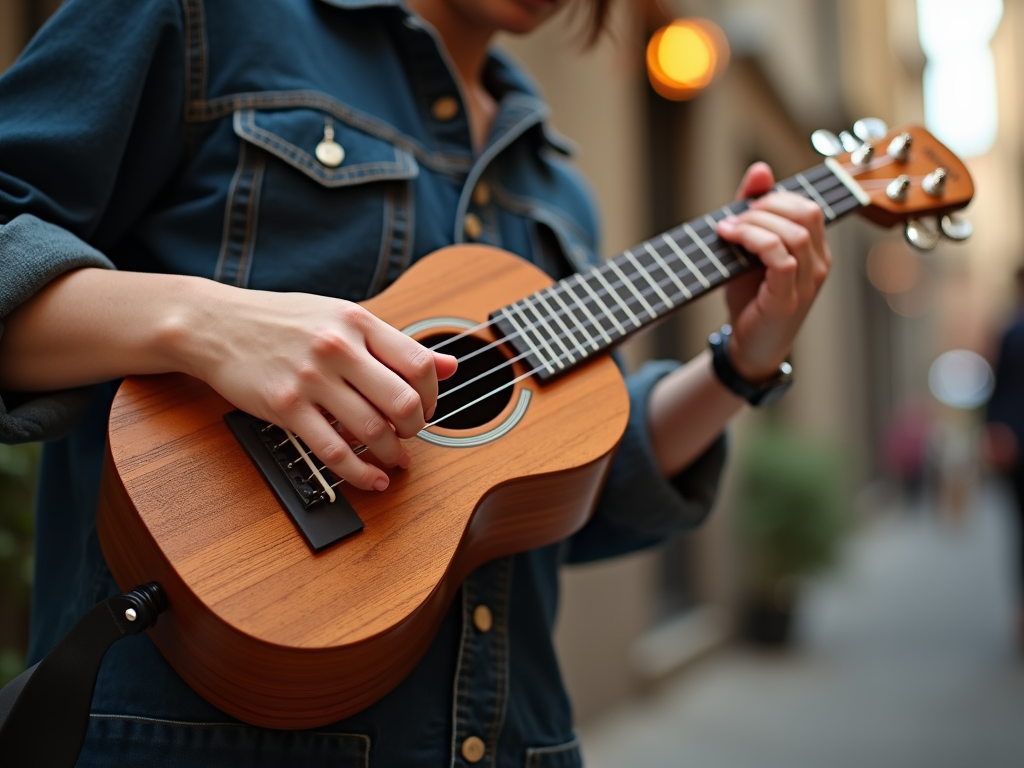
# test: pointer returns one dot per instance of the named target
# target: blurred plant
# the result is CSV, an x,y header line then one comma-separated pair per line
x,y
793,511
18,465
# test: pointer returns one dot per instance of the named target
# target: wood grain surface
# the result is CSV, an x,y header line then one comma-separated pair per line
x,y
278,636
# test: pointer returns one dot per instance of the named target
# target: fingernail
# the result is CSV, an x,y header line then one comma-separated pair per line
x,y
404,460
381,484
729,222
430,414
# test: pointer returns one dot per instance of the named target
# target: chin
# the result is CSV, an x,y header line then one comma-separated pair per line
x,y
517,17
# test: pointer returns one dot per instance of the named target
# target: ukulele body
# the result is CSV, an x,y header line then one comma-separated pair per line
x,y
282,637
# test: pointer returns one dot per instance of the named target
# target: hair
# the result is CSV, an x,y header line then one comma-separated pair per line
x,y
597,19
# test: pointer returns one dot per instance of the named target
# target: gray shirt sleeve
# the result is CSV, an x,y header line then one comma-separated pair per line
x,y
32,253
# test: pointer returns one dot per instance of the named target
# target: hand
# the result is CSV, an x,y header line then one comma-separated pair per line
x,y
293,358
767,306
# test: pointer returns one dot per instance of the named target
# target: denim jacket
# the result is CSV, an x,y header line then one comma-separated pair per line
x,y
179,136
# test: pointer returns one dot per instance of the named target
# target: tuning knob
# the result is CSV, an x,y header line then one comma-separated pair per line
x,y
870,129
935,182
922,236
826,143
956,229
863,155
899,148
850,142
898,188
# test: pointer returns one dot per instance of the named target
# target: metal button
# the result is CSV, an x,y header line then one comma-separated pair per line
x,y
445,108
482,618
472,226
473,749
482,194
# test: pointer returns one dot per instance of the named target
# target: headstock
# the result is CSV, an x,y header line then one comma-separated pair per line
x,y
906,175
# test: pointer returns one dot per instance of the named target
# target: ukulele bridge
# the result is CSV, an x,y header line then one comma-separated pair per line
x,y
321,521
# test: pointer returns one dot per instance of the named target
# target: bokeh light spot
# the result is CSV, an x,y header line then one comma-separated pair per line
x,y
684,57
961,379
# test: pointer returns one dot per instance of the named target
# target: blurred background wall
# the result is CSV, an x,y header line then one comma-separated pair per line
x,y
863,358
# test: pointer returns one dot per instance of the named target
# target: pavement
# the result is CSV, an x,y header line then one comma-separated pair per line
x,y
905,657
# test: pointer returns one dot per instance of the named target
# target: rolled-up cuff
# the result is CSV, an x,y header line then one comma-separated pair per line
x,y
639,506
33,253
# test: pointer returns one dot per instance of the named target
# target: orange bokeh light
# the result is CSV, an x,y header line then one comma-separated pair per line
x,y
684,57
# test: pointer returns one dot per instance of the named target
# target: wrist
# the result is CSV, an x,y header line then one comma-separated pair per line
x,y
757,388
187,335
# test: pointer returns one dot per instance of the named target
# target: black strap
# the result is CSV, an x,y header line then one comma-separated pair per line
x,y
44,711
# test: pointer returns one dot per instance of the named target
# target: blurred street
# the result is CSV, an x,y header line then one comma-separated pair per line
x,y
904,658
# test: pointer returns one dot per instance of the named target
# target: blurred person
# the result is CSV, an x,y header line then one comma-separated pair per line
x,y
162,209
1004,433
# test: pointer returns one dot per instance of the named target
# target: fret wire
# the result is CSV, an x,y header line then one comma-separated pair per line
x,y
525,338
816,197
685,259
665,268
551,332
569,313
604,307
647,275
611,292
582,350
730,246
629,284
586,310
539,335
704,247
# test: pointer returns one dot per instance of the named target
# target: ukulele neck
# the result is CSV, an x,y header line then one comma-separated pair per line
x,y
558,328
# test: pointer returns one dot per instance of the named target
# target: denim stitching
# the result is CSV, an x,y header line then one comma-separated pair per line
x,y
534,755
160,721
245,126
387,236
528,206
195,56
225,105
251,221
501,630
229,209
461,688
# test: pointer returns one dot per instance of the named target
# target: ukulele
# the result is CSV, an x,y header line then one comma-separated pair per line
x,y
297,600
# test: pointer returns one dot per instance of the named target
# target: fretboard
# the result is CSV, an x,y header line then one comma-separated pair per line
x,y
586,314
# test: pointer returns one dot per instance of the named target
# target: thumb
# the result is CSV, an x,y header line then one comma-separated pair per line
x,y
444,365
756,181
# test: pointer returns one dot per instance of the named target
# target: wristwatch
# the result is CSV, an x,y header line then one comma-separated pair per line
x,y
761,393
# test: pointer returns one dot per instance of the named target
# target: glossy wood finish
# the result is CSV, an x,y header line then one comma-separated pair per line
x,y
926,154
280,637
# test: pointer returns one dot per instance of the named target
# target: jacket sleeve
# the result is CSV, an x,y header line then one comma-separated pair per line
x,y
91,127
639,507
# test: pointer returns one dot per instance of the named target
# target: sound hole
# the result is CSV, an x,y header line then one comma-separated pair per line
x,y
494,371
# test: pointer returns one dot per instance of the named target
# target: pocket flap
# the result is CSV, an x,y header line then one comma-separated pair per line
x,y
293,135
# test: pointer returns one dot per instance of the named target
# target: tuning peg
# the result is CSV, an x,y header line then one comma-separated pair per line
x,y
935,182
870,129
956,229
826,143
850,142
897,188
921,236
899,148
863,155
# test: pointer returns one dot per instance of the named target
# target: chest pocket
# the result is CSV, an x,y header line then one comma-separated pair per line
x,y
316,205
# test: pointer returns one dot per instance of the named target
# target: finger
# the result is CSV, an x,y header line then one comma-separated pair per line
x,y
414,363
778,291
756,181
795,238
364,422
328,446
799,210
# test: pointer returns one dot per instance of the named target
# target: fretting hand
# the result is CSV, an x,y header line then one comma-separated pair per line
x,y
767,306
